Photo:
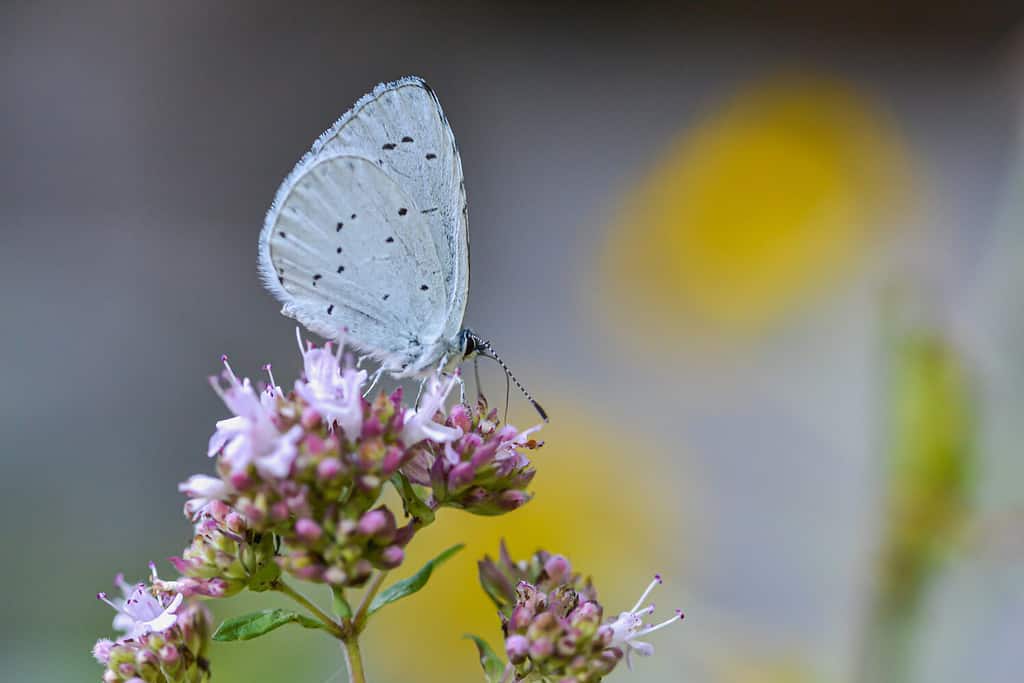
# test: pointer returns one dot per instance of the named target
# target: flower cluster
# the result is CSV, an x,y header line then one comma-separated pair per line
x,y
226,555
553,623
164,639
307,469
483,471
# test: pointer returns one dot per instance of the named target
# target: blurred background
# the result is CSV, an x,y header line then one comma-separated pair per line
x,y
763,268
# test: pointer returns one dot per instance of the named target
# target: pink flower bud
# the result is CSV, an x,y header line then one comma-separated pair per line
x,y
308,530
218,509
461,475
169,654
557,568
372,429
328,469
310,419
517,647
314,444
241,480
376,523
101,650
235,523
391,557
459,417
510,500
279,511
541,649
521,618
392,460
335,576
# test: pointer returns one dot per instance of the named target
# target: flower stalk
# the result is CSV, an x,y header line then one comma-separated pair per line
x,y
330,624
354,660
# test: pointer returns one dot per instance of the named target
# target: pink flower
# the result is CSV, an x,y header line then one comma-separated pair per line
x,y
142,610
101,650
335,393
251,437
203,490
628,626
420,424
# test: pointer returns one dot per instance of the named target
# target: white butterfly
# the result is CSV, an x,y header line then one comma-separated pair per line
x,y
368,234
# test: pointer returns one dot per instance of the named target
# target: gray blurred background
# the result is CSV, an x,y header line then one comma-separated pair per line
x,y
142,143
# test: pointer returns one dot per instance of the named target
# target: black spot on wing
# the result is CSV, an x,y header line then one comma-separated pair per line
x,y
338,250
424,288
389,146
431,157
385,297
341,269
402,211
340,226
330,309
389,240
407,139
429,210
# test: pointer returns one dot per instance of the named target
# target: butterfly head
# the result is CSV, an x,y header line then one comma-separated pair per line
x,y
471,345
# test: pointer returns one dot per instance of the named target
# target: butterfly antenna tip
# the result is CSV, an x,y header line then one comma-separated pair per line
x,y
489,352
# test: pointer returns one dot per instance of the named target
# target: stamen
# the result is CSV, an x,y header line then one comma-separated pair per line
x,y
650,587
227,366
272,389
215,383
650,629
102,597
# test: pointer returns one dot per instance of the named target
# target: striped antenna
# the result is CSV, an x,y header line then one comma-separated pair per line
x,y
488,351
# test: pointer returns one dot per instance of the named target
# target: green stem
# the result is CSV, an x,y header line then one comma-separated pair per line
x,y
281,587
362,613
354,660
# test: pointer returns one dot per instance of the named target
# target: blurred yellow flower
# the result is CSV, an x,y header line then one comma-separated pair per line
x,y
606,500
766,203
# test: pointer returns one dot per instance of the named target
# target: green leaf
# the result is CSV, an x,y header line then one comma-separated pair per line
x,y
414,505
342,609
414,583
494,668
256,624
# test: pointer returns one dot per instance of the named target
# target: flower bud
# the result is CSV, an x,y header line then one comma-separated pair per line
x,y
308,530
517,647
392,557
558,568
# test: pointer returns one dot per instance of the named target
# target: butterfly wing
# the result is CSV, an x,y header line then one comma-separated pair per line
x,y
368,233
401,127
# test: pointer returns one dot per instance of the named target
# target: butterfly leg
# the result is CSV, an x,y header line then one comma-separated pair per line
x,y
359,361
423,383
376,378
480,398
462,388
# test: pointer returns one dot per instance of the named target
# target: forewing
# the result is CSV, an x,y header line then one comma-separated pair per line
x,y
401,128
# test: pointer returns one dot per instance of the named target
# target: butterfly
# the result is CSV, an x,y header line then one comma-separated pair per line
x,y
368,235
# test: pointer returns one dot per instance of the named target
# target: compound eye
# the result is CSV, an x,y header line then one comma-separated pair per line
x,y
469,346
